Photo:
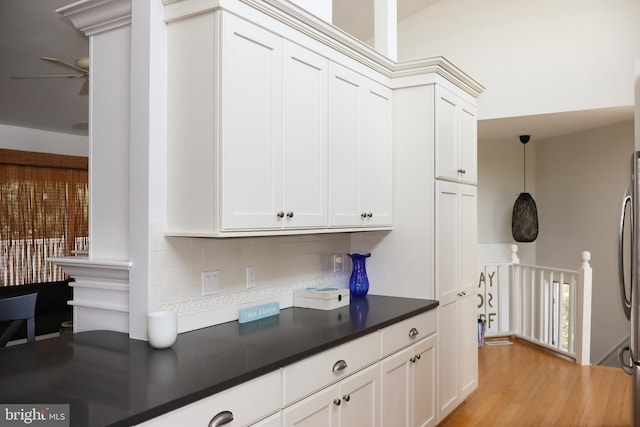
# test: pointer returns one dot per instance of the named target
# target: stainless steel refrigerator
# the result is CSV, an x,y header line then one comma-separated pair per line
x,y
630,279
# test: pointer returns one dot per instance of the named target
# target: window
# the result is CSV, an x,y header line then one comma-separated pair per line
x,y
43,213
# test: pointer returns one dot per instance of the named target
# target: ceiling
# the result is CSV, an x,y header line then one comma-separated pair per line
x,y
31,28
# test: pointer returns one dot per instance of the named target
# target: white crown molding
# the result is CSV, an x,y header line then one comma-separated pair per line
x,y
85,267
405,73
96,16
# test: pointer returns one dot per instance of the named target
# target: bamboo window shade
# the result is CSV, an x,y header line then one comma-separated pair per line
x,y
43,213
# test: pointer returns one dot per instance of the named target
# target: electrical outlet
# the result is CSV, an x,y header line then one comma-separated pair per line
x,y
251,276
338,263
210,282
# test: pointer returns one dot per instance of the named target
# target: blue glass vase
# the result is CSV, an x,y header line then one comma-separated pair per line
x,y
359,282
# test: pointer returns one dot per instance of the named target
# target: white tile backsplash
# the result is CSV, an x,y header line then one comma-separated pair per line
x,y
283,263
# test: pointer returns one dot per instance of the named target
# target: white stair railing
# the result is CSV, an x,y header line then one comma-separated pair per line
x,y
547,306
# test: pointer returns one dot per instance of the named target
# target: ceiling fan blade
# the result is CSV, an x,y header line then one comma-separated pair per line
x,y
47,77
84,90
64,64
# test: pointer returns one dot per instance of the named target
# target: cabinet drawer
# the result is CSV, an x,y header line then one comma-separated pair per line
x,y
247,402
402,334
311,374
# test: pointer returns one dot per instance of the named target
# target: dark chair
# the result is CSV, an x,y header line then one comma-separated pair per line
x,y
17,309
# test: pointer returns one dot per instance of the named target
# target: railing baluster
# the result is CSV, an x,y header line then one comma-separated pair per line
x,y
541,303
571,346
547,306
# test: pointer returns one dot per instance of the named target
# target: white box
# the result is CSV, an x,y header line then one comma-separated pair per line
x,y
321,298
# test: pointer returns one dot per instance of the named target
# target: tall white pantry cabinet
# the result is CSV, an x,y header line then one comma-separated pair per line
x,y
455,248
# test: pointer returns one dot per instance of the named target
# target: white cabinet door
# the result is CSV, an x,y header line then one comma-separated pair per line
x,y
446,238
304,162
360,150
468,142
456,242
409,386
455,137
424,368
251,126
396,400
360,397
352,402
345,92
377,155
318,410
467,276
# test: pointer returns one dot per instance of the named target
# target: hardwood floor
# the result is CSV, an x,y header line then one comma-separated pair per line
x,y
523,385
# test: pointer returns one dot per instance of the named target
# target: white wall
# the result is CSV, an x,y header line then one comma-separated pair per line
x,y
323,9
40,141
534,57
580,181
500,181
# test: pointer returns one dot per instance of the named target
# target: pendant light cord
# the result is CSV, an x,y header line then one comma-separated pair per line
x,y
524,178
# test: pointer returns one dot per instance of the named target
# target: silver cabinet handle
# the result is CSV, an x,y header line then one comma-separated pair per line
x,y
289,214
339,365
346,397
462,171
280,214
413,333
337,402
222,418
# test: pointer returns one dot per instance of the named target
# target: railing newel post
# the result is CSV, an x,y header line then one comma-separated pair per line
x,y
583,315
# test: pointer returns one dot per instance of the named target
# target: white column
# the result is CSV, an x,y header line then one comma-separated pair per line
x,y
101,291
385,24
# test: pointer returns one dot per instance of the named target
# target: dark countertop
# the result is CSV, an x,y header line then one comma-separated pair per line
x,y
111,380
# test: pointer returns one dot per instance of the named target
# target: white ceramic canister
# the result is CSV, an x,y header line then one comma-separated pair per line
x,y
162,328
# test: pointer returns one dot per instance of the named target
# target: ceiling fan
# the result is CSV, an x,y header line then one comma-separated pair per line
x,y
81,66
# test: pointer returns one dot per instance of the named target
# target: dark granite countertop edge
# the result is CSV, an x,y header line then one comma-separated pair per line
x,y
259,371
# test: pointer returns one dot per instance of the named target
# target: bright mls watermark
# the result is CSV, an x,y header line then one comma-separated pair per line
x,y
34,415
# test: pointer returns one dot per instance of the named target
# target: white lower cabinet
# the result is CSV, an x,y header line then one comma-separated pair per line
x,y
238,406
384,379
352,402
409,386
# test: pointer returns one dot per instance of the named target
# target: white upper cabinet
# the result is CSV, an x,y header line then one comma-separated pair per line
x,y
455,137
360,150
251,114
248,136
274,131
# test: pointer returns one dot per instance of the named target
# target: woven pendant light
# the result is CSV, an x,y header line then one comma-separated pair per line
x,y
524,221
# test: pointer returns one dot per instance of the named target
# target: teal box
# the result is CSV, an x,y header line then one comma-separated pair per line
x,y
259,312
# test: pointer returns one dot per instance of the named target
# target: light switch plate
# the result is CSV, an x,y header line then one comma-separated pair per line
x,y
251,276
210,282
